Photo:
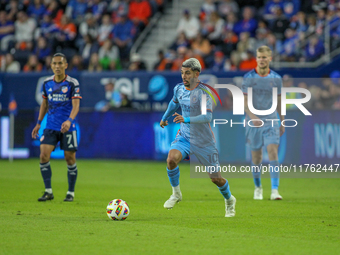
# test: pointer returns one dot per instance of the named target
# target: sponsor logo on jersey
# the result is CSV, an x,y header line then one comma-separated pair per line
x,y
50,90
58,97
77,90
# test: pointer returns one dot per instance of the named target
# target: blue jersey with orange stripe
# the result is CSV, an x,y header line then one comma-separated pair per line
x,y
199,134
59,96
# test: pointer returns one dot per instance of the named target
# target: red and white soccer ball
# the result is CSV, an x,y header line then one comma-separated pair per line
x,y
117,209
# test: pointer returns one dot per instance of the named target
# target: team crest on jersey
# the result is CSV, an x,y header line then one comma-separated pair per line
x,y
64,89
194,99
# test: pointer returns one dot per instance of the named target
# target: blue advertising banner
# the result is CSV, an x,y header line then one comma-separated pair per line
x,y
137,135
320,142
112,135
315,139
148,91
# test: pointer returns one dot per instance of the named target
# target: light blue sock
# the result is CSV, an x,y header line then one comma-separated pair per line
x,y
256,171
274,173
225,191
173,176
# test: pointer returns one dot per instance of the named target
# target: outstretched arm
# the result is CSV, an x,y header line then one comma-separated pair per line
x,y
192,120
172,107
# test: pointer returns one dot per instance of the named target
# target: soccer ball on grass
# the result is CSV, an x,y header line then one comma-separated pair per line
x,y
117,209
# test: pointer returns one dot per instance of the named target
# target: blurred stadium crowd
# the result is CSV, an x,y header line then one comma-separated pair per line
x,y
98,35
95,35
225,36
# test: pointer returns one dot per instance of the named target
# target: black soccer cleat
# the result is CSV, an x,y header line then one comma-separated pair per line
x,y
45,197
68,198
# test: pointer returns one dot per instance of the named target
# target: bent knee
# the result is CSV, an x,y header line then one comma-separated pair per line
x,y
172,162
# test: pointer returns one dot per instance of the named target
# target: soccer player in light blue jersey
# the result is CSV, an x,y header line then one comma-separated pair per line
x,y
195,135
265,133
61,99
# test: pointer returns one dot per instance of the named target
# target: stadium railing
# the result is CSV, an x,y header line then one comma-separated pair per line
x,y
152,24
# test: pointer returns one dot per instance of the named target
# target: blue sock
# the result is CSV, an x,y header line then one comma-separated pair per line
x,y
256,171
72,176
173,176
46,173
274,173
225,191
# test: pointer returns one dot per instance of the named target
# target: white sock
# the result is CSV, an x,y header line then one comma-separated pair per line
x,y
230,198
70,193
176,190
49,191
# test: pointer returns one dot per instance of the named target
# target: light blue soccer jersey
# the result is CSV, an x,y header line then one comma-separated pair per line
x,y
262,91
199,134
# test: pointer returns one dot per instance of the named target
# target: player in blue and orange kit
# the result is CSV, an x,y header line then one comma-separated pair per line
x,y
61,99
195,135
265,131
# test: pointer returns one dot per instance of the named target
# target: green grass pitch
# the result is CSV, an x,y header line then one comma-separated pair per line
x,y
307,221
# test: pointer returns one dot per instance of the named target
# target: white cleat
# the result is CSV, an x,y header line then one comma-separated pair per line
x,y
275,195
174,198
258,193
230,206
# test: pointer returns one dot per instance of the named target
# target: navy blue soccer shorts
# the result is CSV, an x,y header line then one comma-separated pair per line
x,y
68,140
